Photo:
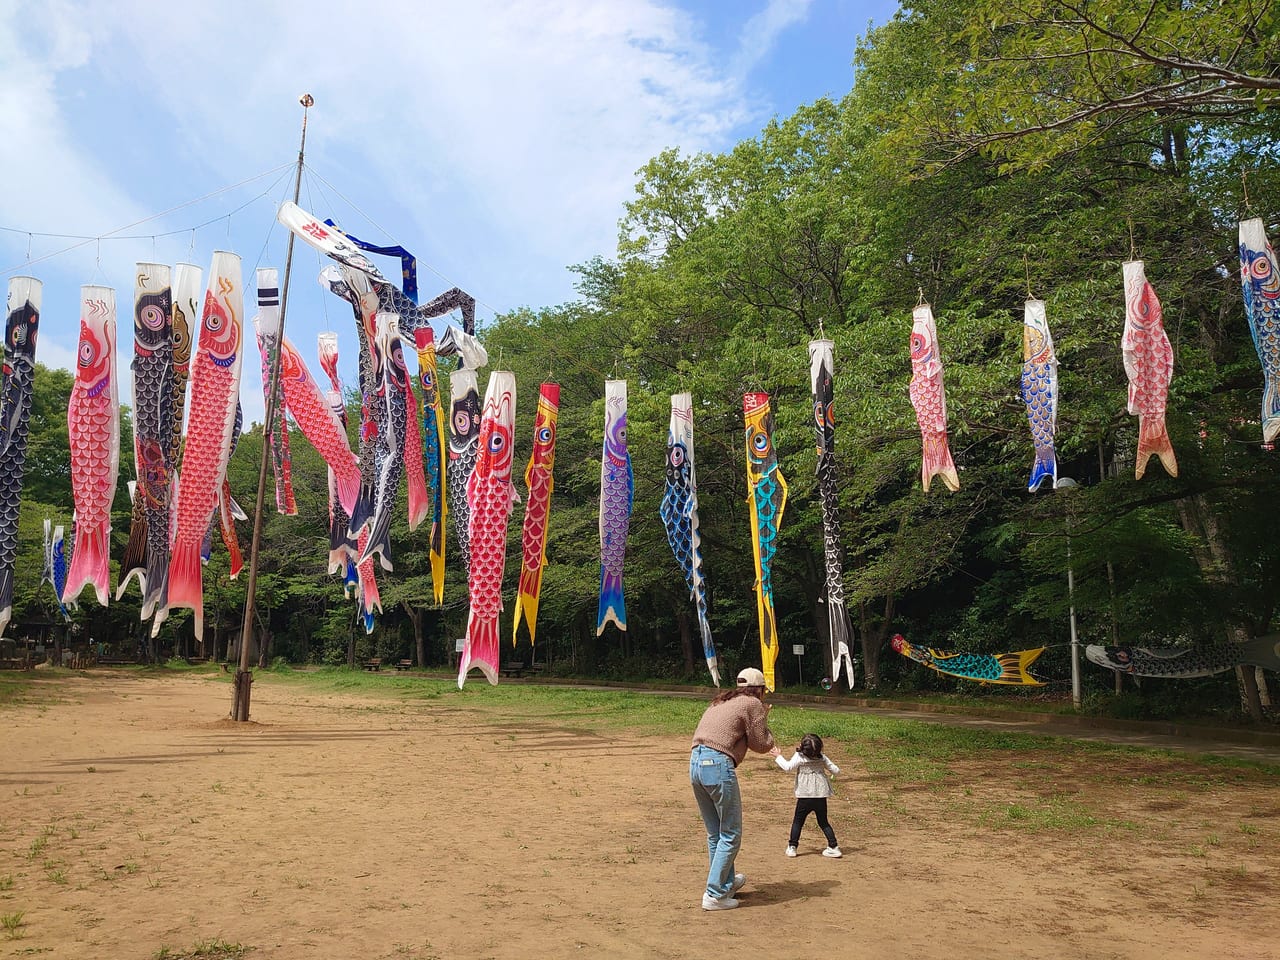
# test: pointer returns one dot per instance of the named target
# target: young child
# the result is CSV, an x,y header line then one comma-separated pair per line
x,y
812,790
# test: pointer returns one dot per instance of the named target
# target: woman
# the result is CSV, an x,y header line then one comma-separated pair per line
x,y
735,721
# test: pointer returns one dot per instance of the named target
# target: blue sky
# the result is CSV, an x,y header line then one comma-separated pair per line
x,y
497,142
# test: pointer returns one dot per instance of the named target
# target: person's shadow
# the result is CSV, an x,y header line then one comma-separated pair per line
x,y
780,891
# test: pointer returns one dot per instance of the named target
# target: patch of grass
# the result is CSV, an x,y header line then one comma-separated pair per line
x,y
6,882
215,949
12,924
1053,813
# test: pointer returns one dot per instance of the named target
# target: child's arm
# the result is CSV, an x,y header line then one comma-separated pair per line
x,y
788,765
830,766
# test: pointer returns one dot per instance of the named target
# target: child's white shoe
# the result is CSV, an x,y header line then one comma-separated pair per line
x,y
791,851
828,852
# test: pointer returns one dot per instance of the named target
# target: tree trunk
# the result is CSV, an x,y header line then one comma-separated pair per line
x,y
416,618
873,641
1216,566
264,647
686,639
351,639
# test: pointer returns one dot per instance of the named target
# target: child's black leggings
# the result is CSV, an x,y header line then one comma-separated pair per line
x,y
805,806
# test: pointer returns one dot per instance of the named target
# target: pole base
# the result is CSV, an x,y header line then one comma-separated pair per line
x,y
243,685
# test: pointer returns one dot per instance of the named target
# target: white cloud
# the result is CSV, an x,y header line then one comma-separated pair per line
x,y
761,32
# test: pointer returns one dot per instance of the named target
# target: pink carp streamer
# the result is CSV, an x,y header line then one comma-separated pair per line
x,y
1148,363
539,480
491,495
930,400
215,390
278,434
93,429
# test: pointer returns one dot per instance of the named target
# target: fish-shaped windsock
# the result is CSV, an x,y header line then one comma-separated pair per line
x,y
1040,392
93,433
415,467
21,327
52,549
679,511
539,480
152,425
188,302
311,409
1183,662
1004,668
342,552
617,490
434,444
491,495
464,437
822,386
1148,362
353,286
388,452
1260,280
929,398
62,552
766,499
215,392
277,431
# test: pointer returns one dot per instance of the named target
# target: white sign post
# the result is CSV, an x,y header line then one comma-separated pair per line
x,y
798,650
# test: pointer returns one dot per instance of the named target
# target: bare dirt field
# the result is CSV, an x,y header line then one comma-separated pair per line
x,y
135,823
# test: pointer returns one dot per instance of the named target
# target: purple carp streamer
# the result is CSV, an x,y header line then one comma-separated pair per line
x,y
434,444
491,496
21,327
1003,668
679,511
821,364
278,431
617,489
464,438
767,499
1260,281
540,482
1040,392
1183,662
93,431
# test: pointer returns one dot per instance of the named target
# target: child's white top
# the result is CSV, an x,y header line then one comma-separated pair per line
x,y
811,778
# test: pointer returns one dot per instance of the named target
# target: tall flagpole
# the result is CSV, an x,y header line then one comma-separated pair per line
x,y
244,677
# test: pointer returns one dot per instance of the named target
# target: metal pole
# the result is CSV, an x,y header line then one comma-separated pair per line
x,y
244,678
1075,640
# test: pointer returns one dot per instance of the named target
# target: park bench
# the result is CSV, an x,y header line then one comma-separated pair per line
x,y
514,669
404,665
374,663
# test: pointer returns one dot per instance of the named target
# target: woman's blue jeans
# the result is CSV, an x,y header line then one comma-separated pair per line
x,y
715,787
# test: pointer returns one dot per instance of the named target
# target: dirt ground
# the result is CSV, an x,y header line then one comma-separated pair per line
x,y
134,823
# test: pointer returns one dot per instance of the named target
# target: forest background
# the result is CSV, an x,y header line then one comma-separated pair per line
x,y
989,151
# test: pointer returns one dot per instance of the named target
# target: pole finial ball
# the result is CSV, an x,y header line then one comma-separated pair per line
x,y
307,100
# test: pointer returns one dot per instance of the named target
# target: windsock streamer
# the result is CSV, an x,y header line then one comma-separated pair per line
x,y
53,559
277,432
93,431
1148,362
1260,280
617,489
929,398
434,444
21,327
821,360
1040,392
464,437
152,425
539,480
388,453
766,499
342,553
491,495
215,391
679,510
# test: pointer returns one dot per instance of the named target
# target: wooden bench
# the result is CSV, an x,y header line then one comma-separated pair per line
x,y
373,664
512,669
404,665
